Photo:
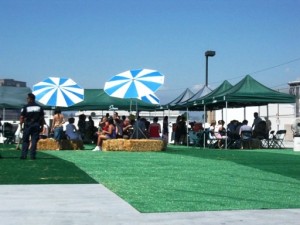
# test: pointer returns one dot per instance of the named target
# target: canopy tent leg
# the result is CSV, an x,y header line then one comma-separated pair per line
x,y
204,118
226,139
187,127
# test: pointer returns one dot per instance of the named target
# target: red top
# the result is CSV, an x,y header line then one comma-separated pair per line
x,y
154,130
106,126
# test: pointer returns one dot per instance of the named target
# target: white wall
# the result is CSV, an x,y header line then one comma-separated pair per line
x,y
281,116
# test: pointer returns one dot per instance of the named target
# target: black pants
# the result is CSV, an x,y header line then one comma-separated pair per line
x,y
30,135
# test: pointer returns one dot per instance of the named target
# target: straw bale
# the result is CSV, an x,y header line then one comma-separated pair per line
x,y
50,144
105,145
46,144
132,145
72,144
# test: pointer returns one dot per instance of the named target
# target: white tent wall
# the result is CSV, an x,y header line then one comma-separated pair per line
x,y
281,116
237,114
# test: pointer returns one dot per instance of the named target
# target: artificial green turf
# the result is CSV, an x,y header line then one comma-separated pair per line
x,y
47,169
193,179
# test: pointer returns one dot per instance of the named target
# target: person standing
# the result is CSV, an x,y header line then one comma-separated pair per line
x,y
178,130
91,129
82,126
32,116
57,127
166,129
256,120
1,127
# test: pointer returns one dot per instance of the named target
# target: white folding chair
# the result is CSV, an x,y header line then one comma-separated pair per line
x,y
278,139
267,142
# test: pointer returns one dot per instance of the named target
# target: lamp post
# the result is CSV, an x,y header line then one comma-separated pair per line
x,y
208,54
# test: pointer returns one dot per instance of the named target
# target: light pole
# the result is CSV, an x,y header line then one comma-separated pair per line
x,y
208,54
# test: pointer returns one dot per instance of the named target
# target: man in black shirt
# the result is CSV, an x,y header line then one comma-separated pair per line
x,y
32,117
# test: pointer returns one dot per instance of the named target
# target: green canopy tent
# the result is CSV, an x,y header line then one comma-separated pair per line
x,y
97,99
198,104
248,92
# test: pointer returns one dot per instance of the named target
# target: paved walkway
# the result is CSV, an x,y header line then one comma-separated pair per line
x,y
90,204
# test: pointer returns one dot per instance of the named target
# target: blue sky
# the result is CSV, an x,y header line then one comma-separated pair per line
x,y
90,41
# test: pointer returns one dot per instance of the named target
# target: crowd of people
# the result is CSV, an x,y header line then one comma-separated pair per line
x,y
237,131
217,131
111,127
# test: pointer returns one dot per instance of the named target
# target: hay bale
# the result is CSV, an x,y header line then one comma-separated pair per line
x,y
50,144
132,145
113,145
71,145
46,144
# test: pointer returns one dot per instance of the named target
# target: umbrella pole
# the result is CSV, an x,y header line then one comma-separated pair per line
x,y
130,106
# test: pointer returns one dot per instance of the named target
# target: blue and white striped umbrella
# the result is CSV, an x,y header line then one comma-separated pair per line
x,y
58,91
134,83
151,98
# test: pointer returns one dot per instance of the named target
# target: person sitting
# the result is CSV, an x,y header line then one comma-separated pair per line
x,y
245,127
119,126
260,130
103,125
139,129
197,127
45,132
220,132
212,130
127,128
231,129
110,133
245,133
72,132
154,129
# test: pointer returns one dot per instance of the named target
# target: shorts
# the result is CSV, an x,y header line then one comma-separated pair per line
x,y
58,133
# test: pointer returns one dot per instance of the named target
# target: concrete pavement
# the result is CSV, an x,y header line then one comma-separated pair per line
x,y
90,204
